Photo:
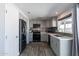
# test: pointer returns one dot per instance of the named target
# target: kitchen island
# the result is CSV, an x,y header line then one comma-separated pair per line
x,y
61,45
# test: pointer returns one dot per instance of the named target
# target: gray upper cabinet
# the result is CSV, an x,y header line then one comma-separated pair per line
x,y
54,22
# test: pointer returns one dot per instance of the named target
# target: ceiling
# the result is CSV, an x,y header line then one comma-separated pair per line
x,y
36,10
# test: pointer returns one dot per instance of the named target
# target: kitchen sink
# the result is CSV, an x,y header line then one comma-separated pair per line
x,y
57,35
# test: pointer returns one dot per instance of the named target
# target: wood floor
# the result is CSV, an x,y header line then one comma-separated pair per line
x,y
37,49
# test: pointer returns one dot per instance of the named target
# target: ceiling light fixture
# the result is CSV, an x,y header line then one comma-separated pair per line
x,y
28,12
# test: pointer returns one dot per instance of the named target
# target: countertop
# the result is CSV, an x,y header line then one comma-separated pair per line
x,y
61,38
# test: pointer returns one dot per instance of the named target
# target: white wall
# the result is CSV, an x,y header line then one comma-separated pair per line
x,y
2,19
11,30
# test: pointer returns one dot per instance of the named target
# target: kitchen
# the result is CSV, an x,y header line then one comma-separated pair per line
x,y
48,30
52,30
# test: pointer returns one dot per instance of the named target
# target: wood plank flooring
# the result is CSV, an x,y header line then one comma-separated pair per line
x,y
37,49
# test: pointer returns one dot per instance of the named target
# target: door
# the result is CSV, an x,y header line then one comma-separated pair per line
x,y
2,19
11,31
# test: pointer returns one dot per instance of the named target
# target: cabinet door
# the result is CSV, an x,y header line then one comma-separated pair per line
x,y
51,43
54,44
11,30
31,36
57,47
44,36
54,23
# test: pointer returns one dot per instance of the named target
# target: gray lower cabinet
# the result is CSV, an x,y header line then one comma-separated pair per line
x,y
61,47
31,36
55,45
44,36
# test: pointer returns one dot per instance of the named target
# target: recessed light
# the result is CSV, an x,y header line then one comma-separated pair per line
x,y
56,12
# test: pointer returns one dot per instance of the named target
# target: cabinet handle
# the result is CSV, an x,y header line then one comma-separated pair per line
x,y
16,36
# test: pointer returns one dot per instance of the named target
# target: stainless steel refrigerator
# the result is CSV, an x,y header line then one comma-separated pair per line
x,y
22,35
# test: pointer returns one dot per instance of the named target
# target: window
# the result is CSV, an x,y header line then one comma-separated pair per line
x,y
61,26
65,25
68,25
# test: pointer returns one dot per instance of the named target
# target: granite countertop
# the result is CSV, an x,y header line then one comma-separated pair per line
x,y
61,37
